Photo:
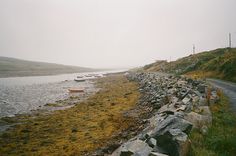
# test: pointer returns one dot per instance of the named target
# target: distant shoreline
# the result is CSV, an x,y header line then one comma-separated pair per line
x,y
11,67
10,74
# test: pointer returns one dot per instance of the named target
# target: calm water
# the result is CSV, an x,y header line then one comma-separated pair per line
x,y
23,94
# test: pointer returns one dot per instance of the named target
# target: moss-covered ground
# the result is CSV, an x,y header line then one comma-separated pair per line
x,y
79,130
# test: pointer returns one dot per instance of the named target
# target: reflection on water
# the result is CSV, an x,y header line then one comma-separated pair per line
x,y
23,98
22,94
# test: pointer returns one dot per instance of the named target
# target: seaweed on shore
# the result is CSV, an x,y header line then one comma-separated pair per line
x,y
79,130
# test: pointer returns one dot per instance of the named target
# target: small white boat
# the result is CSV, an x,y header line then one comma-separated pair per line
x,y
79,80
76,90
98,76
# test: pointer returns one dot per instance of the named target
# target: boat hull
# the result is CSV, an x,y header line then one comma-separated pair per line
x,y
75,90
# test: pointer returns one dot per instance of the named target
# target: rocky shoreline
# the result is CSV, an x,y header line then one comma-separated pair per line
x,y
159,123
176,106
79,130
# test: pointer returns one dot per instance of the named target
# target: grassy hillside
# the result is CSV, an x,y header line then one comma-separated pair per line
x,y
219,63
10,67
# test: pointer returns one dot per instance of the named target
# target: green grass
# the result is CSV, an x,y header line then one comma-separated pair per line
x,y
218,63
221,137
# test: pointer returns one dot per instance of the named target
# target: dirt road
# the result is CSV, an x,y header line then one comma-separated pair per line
x,y
228,88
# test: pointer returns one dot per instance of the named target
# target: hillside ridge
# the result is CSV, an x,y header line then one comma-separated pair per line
x,y
219,63
13,67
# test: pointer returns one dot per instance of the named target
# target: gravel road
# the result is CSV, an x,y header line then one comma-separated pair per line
x,y
228,88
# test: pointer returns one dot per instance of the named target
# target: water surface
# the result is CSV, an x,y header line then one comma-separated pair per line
x,y
20,95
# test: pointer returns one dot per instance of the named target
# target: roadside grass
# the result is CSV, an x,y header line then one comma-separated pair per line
x,y
200,74
219,64
77,130
221,137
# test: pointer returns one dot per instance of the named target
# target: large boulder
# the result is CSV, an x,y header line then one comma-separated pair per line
x,y
171,122
171,135
201,88
205,110
199,120
175,142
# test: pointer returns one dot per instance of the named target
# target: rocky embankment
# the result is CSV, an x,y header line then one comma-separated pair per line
x,y
177,105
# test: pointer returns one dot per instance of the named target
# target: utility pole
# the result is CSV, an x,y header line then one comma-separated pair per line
x,y
229,40
193,49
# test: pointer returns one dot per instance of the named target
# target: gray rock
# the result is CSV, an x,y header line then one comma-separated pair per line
x,y
125,152
152,142
143,136
205,110
197,93
174,99
201,88
183,93
186,100
157,119
183,143
182,108
204,130
214,97
189,107
171,122
181,83
136,147
157,154
175,142
180,114
198,120
158,149
202,102
167,108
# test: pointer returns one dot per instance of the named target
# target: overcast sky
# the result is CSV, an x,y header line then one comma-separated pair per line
x,y
113,33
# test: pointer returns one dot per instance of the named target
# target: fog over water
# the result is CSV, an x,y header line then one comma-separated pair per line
x,y
113,33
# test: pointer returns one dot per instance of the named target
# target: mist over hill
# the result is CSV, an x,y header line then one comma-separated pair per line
x,y
11,67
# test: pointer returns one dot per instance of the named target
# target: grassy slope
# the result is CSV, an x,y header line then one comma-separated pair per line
x,y
78,130
15,67
219,63
221,138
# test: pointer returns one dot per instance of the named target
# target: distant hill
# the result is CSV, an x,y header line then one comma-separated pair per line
x,y
11,67
219,63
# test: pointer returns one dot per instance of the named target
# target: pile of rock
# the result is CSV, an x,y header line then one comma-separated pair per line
x,y
178,104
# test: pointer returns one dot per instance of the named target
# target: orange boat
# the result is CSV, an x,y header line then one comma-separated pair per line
x,y
76,90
